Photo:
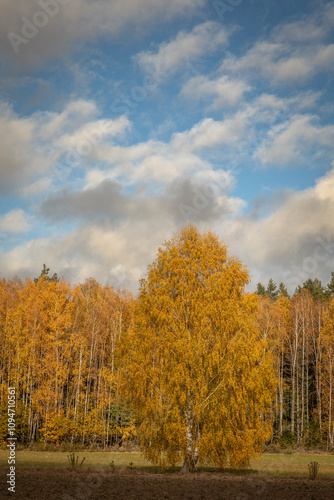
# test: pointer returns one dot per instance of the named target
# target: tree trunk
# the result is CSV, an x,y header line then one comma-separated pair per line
x,y
189,464
191,456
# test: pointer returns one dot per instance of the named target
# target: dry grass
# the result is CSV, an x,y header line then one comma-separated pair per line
x,y
294,465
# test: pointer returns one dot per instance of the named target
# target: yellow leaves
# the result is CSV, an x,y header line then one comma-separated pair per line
x,y
60,351
129,432
194,352
328,323
54,429
327,370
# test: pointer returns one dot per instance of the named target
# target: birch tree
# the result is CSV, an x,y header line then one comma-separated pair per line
x,y
196,369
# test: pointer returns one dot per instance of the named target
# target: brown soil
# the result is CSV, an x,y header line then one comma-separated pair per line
x,y
41,484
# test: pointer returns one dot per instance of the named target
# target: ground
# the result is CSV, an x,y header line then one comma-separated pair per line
x,y
48,476
41,484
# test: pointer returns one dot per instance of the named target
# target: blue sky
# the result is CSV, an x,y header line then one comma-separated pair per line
x,y
122,121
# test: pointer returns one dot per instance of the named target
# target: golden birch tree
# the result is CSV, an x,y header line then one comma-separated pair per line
x,y
196,369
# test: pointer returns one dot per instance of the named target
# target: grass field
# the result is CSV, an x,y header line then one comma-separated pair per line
x,y
272,464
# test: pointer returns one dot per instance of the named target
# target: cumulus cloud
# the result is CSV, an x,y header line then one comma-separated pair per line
x,y
15,149
292,53
209,133
48,150
15,221
225,91
282,64
119,232
309,28
161,162
53,28
50,144
170,56
205,199
117,257
294,242
291,141
269,129
44,152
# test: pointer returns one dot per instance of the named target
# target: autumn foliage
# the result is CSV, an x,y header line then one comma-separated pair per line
x,y
194,368
197,372
300,333
58,351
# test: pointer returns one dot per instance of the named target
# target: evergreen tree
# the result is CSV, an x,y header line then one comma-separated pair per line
x,y
260,290
315,288
283,290
45,272
330,287
272,291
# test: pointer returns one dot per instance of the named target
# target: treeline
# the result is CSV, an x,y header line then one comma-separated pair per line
x,y
300,331
61,351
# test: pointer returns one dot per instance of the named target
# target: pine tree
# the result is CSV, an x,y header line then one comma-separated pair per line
x,y
272,291
260,290
330,287
315,288
45,274
283,291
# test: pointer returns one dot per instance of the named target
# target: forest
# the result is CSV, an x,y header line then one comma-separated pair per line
x,y
61,350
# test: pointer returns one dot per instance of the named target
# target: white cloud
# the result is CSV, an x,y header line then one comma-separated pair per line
x,y
209,133
226,91
83,139
280,63
16,147
117,257
76,21
291,141
74,114
285,245
34,145
185,153
292,53
41,152
309,28
157,162
300,102
15,221
121,231
203,39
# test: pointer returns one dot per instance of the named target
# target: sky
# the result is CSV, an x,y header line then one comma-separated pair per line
x,y
122,121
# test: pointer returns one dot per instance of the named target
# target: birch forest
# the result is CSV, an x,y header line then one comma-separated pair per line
x,y
60,350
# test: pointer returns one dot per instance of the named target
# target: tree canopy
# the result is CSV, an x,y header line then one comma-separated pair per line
x,y
196,370
45,275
